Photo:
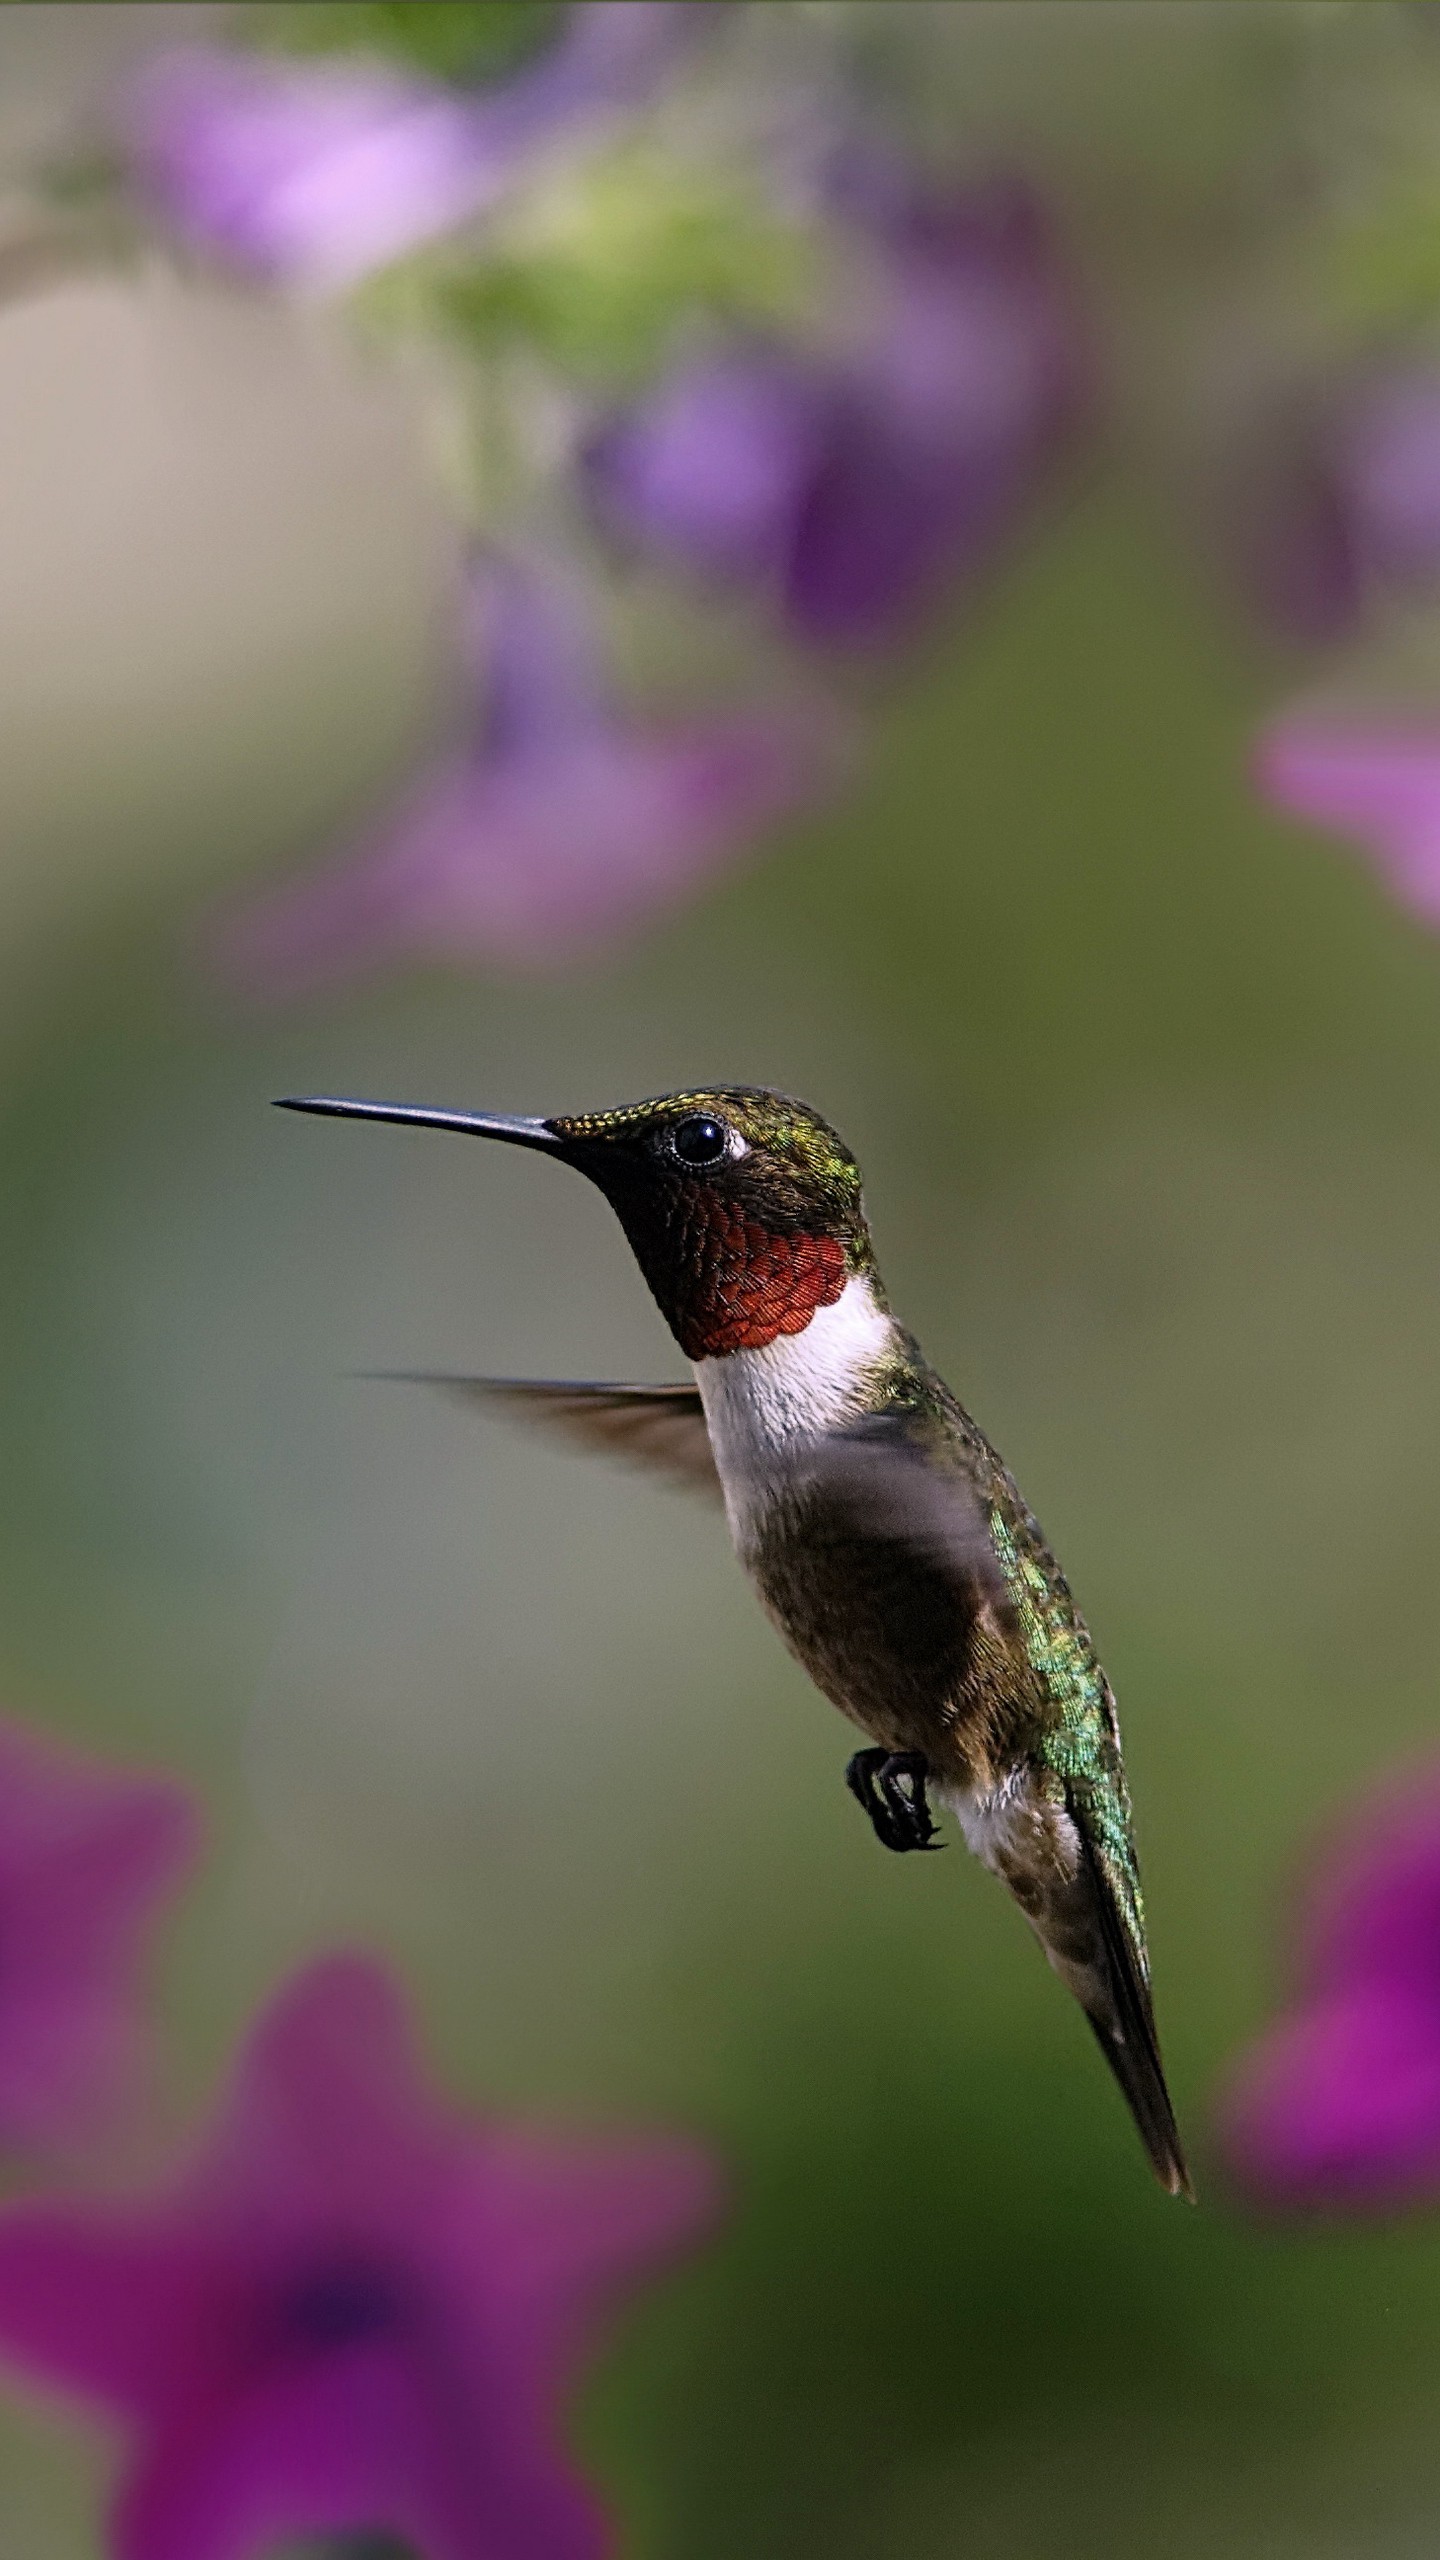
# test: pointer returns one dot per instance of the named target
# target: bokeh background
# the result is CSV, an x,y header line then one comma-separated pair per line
x,y
1147,1086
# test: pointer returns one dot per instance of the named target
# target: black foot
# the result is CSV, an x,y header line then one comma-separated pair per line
x,y
890,1785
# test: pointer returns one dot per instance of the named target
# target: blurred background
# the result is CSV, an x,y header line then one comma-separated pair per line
x,y
1146,1083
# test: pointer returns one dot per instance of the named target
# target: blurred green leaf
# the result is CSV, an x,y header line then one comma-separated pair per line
x,y
460,40
600,272
1384,270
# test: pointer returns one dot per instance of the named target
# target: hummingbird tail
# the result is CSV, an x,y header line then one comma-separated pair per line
x,y
1122,2017
1046,1852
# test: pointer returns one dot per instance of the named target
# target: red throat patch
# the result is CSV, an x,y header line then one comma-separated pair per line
x,y
749,1286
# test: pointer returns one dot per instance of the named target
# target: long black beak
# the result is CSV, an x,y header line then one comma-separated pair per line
x,y
472,1124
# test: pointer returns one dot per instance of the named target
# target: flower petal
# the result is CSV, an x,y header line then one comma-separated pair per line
x,y
712,468
87,1854
533,861
1340,2104
1380,786
1388,471
389,2438
857,485
95,2304
581,2225
328,2125
316,171
357,2311
319,171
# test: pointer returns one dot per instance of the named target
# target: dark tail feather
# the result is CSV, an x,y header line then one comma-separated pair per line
x,y
1126,2035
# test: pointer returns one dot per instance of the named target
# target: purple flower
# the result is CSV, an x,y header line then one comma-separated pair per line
x,y
1339,2104
355,2310
1378,785
1388,468
86,1856
714,465
318,171
1343,503
857,487
563,823
1292,539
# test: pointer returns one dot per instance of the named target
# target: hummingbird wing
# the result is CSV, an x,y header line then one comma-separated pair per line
x,y
658,1427
886,1484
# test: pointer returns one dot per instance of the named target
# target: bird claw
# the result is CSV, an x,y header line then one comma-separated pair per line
x,y
890,1788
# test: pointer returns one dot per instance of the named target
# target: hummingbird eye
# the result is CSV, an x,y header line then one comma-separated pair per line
x,y
702,1141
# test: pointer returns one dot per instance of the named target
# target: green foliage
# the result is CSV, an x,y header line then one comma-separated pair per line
x,y
1384,270
599,274
461,40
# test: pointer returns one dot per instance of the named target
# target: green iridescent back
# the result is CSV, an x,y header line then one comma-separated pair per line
x,y
1080,1744
1077,1738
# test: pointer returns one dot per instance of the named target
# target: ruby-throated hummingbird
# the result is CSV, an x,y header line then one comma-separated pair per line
x,y
886,1539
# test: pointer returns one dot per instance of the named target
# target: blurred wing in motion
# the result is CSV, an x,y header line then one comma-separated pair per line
x,y
878,1484
658,1427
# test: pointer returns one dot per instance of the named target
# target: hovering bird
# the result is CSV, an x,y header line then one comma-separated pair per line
x,y
886,1539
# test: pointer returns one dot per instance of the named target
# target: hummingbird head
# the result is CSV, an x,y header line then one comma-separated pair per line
x,y
742,1206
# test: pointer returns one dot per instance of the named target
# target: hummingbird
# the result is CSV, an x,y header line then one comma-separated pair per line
x,y
886,1539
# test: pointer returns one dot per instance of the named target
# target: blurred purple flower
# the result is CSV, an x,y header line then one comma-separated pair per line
x,y
563,824
712,466
857,488
1378,785
318,171
1344,503
86,1855
1291,537
1388,466
1339,2104
356,2310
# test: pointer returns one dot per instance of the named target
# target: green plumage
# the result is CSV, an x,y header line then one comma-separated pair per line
x,y
1080,1742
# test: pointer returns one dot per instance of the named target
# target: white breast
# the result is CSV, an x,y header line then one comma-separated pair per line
x,y
760,1405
